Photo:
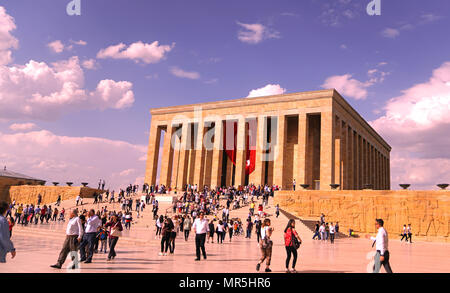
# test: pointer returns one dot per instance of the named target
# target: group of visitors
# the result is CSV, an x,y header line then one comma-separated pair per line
x,y
205,212
88,230
33,214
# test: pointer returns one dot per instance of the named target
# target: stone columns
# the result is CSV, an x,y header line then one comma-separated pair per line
x,y
302,149
216,168
257,176
389,173
167,158
344,160
183,156
337,152
200,153
326,150
239,177
356,161
153,154
176,158
279,154
350,158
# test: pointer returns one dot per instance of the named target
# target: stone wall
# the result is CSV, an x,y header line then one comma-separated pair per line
x,y
428,212
28,193
7,182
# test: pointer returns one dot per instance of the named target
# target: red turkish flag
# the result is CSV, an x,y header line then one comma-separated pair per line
x,y
250,146
230,143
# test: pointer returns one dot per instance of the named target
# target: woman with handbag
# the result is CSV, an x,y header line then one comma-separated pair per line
x,y
292,242
266,245
115,233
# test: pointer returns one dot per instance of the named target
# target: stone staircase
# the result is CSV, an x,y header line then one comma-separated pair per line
x,y
310,224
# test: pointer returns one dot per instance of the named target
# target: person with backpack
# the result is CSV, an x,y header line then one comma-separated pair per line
x,y
102,237
266,245
292,242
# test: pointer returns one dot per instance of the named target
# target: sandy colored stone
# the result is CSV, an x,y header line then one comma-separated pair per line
x,y
28,194
426,211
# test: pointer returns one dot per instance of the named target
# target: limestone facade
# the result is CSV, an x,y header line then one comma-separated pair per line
x,y
27,194
426,211
315,137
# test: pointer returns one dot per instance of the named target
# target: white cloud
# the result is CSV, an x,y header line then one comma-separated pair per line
x,y
268,90
255,33
417,125
56,46
391,33
347,86
41,91
178,72
139,52
79,43
51,157
22,126
7,41
350,87
90,64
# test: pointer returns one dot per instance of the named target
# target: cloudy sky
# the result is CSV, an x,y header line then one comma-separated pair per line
x,y
75,91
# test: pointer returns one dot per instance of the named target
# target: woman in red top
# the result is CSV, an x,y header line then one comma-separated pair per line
x,y
289,242
115,233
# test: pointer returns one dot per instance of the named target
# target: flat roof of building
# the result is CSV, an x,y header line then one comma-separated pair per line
x,y
10,174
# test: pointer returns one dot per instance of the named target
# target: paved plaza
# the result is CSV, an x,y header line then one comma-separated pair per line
x,y
137,251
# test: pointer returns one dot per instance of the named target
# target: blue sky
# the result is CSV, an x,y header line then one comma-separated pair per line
x,y
303,44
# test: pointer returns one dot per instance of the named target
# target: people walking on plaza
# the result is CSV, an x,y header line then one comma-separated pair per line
x,y
114,234
159,224
93,224
166,235
200,228
404,234
58,201
11,225
409,232
103,238
258,224
332,231
293,184
277,209
220,232
322,231
249,228
187,225
78,198
382,252
266,245
211,231
6,245
230,229
316,231
74,234
173,235
292,242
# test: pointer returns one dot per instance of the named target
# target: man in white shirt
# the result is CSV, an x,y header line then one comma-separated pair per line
x,y
332,231
74,234
92,225
381,243
200,227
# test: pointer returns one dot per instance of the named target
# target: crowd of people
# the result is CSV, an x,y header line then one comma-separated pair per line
x,y
205,212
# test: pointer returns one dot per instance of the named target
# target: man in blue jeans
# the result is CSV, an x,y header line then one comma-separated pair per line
x,y
92,226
